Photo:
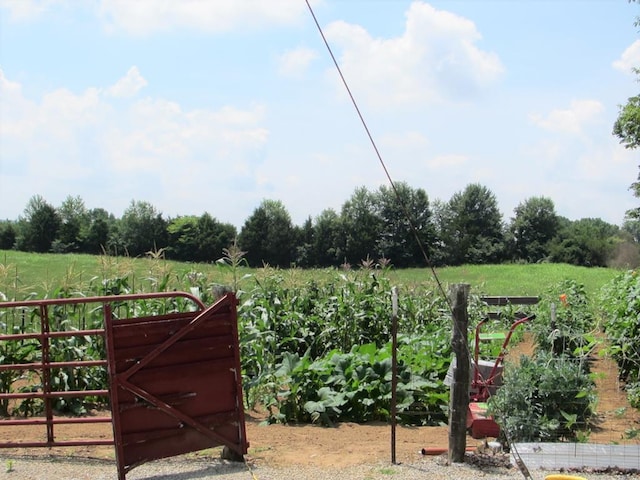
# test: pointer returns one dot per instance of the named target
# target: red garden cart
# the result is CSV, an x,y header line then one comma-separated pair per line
x,y
486,379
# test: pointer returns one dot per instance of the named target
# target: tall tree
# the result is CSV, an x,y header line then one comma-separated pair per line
x,y
142,229
361,225
39,226
587,242
328,244
532,229
627,129
402,210
183,238
74,221
212,237
304,256
7,235
267,236
471,227
100,225
632,226
198,239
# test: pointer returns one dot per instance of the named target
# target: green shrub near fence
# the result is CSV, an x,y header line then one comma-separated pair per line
x,y
551,396
620,305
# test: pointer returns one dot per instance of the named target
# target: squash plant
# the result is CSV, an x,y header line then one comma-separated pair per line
x,y
353,386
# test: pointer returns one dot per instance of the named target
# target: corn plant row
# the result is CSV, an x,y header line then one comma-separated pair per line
x,y
311,351
322,352
345,321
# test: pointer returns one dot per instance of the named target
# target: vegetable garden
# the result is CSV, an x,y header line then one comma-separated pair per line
x,y
320,350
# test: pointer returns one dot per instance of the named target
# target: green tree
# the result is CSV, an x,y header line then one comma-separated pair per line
x,y
304,235
267,236
361,226
626,253
142,229
7,235
632,226
100,225
183,238
627,129
198,239
588,242
397,240
533,228
39,226
471,227
627,125
212,237
74,221
328,245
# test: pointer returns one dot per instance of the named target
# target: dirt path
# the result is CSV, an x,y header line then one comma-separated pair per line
x,y
348,443
615,417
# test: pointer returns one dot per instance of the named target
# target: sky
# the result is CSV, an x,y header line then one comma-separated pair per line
x,y
214,106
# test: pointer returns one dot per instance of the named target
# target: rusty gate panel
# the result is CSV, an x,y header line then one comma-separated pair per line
x,y
175,384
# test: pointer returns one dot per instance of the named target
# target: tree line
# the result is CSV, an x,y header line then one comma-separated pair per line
x,y
395,225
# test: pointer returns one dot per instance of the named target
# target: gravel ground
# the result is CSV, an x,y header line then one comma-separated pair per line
x,y
181,468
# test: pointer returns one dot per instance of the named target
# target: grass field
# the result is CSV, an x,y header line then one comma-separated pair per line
x,y
29,274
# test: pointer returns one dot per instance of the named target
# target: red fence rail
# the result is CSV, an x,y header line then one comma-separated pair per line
x,y
164,348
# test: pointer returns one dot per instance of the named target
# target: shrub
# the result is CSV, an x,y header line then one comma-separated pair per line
x,y
545,398
620,304
567,332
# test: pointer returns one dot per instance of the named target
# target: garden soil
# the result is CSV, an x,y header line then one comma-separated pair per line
x,y
346,444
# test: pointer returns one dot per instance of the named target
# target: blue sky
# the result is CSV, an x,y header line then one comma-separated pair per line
x,y
213,106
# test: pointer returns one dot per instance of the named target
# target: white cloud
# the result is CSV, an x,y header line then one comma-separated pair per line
x,y
128,85
36,126
570,120
142,17
435,58
21,10
14,106
83,143
446,161
295,62
630,58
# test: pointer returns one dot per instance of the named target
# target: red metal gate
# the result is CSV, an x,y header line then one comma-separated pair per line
x,y
174,379
177,384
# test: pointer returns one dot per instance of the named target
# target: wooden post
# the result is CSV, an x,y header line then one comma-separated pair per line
x,y
394,370
459,398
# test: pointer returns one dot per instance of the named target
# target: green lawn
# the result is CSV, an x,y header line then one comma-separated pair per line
x,y
23,274
519,279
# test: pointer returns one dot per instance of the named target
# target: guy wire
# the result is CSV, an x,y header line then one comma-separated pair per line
x,y
405,211
522,467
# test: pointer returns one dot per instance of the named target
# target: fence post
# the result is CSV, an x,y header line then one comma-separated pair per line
x,y
459,397
394,370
